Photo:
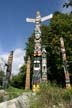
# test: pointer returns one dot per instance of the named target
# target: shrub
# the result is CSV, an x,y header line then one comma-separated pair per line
x,y
51,96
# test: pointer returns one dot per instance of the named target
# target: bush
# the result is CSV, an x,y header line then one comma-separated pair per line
x,y
51,96
18,81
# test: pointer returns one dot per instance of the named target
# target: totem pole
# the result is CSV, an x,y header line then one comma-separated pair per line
x,y
9,66
27,84
44,64
37,49
67,79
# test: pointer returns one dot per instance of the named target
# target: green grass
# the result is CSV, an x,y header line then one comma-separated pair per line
x,y
14,92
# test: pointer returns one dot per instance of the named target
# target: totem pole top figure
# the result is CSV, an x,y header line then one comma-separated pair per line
x,y
38,18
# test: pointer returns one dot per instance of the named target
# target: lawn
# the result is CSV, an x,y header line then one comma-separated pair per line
x,y
14,92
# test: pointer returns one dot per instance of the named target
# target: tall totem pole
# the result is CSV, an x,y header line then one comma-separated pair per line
x,y
27,84
7,78
67,79
9,66
44,65
37,49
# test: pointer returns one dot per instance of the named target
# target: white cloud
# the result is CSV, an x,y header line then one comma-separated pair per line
x,y
18,60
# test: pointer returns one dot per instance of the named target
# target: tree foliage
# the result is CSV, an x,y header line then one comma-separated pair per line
x,y
60,26
18,80
1,76
2,73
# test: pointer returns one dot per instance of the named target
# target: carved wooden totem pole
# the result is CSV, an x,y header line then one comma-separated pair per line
x,y
7,78
37,69
67,79
9,66
27,84
44,65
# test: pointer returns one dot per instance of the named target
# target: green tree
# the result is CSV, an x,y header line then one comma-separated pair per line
x,y
18,80
1,73
1,76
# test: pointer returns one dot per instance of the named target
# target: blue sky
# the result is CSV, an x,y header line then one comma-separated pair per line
x,y
14,31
